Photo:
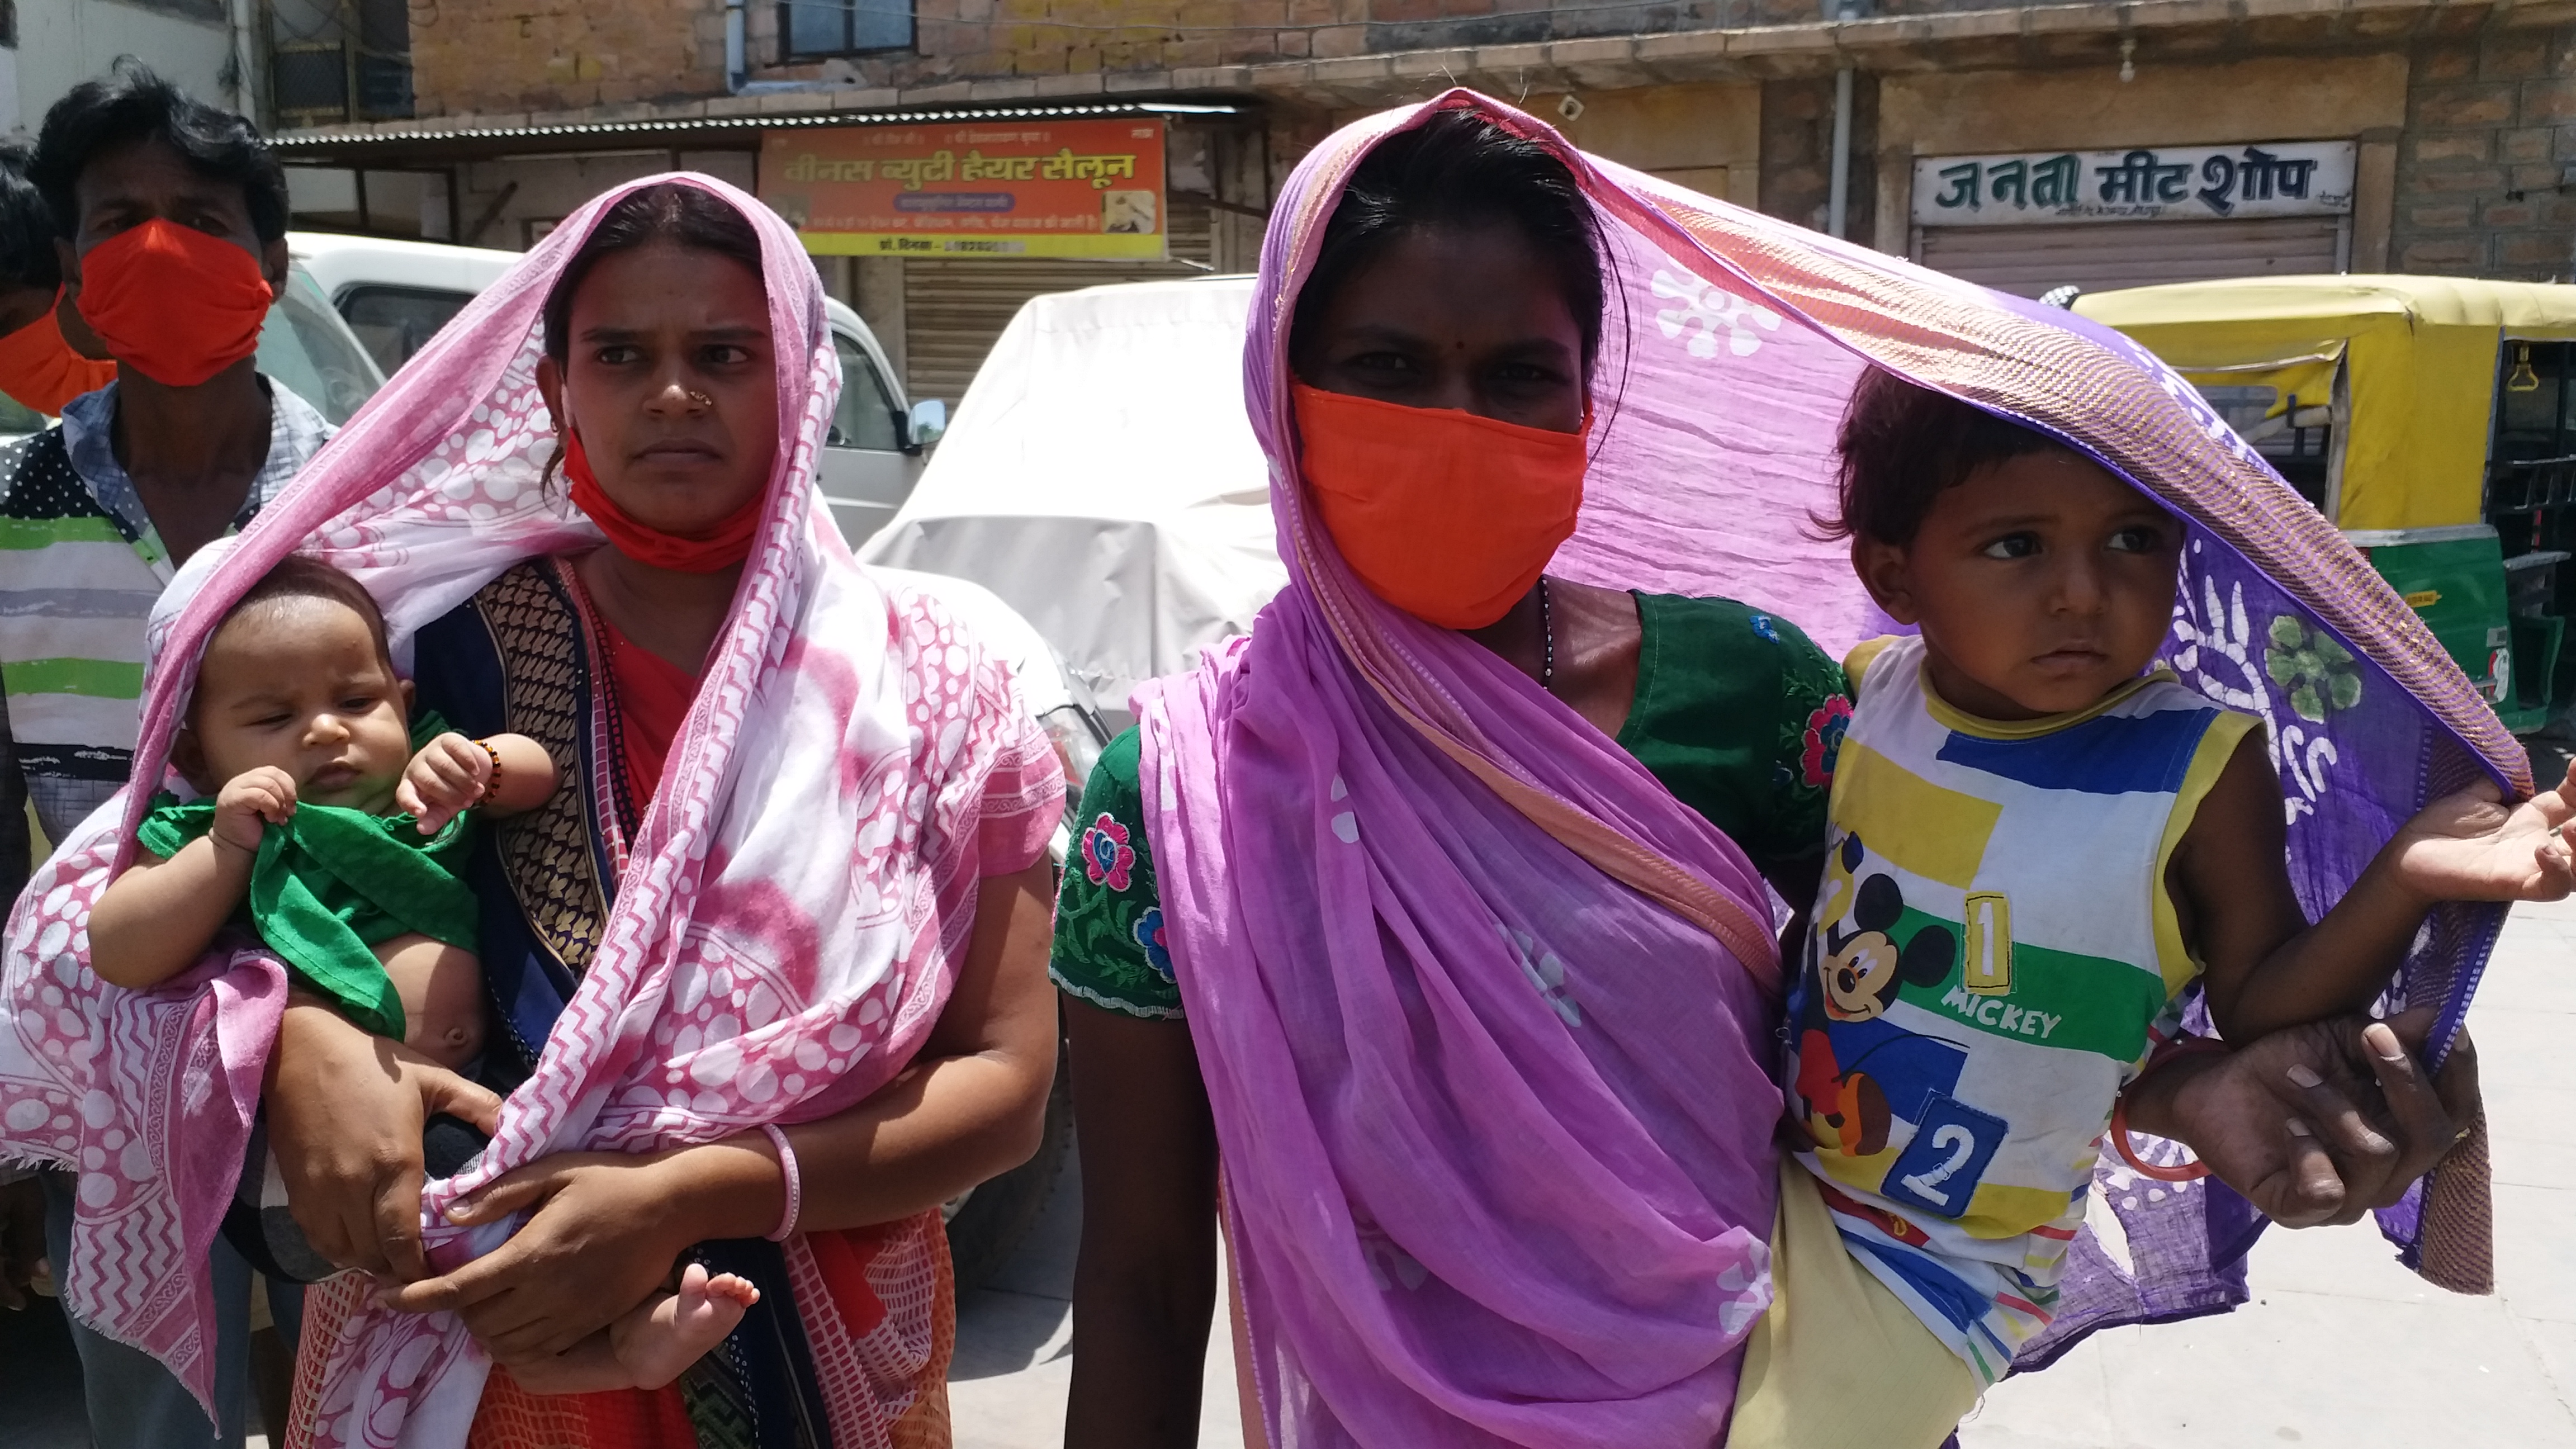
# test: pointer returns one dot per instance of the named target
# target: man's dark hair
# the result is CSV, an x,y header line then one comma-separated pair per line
x,y
26,227
131,104
1462,169
299,577
1903,445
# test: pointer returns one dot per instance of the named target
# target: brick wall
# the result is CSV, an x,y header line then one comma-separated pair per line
x,y
490,56
2490,138
497,56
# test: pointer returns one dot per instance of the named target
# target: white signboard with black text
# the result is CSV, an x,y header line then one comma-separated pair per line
x,y
2168,183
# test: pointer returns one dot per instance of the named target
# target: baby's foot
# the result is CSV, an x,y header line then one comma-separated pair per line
x,y
658,1342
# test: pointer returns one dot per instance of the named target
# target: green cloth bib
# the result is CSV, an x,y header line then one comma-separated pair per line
x,y
332,883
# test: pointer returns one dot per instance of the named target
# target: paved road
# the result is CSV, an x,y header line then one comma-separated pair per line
x,y
2341,1346
1015,1347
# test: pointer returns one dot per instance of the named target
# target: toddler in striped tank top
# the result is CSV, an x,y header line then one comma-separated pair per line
x,y
2038,842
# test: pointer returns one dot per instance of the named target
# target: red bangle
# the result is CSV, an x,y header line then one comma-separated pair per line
x,y
2170,1052
2192,1171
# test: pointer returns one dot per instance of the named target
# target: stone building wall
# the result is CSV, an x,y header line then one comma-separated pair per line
x,y
2484,166
2479,161
1798,147
485,57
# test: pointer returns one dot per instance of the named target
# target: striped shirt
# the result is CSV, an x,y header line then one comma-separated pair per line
x,y
80,568
1994,956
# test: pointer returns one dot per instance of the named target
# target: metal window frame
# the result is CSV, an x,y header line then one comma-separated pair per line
x,y
849,9
351,50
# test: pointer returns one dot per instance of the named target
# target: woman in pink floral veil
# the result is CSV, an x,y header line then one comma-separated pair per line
x,y
765,973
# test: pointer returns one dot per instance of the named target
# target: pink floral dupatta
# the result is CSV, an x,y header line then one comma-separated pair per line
x,y
746,974
1481,1008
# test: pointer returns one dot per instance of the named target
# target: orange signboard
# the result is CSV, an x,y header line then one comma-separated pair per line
x,y
976,189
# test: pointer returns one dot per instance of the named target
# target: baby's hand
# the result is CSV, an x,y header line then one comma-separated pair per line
x,y
449,774
249,803
2473,847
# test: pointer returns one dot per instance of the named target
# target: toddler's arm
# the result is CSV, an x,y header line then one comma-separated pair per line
x,y
154,921
2267,968
452,773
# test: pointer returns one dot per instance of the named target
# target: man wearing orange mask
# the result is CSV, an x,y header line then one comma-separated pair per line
x,y
169,227
48,355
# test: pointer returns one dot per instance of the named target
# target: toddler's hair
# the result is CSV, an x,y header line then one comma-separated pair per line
x,y
1902,445
299,577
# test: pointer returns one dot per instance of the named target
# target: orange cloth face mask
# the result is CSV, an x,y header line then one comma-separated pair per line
x,y
41,371
730,544
173,303
1447,516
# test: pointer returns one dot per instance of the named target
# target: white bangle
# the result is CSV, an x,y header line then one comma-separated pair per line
x,y
795,1183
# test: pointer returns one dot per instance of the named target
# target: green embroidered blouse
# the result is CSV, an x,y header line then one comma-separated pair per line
x,y
1736,712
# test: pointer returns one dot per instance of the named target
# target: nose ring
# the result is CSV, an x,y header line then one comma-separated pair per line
x,y
702,400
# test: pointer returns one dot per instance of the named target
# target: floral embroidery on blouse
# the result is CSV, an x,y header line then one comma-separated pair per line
x,y
1825,728
1149,934
1106,856
1763,626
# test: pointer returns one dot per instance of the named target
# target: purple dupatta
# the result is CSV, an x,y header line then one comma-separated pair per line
x,y
1486,1016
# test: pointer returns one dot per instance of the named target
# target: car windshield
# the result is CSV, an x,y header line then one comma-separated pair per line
x,y
394,322
305,346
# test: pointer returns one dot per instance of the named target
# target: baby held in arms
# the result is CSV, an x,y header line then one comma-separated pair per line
x,y
335,826
2040,839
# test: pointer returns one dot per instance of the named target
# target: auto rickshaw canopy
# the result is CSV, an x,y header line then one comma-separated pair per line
x,y
2417,357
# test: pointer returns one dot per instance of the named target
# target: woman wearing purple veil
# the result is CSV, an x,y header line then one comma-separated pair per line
x,y
1433,929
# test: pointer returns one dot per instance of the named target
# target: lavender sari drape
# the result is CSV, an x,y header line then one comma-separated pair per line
x,y
1486,1016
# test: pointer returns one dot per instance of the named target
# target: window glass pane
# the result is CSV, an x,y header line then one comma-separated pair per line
x,y
881,25
2299,446
817,27
393,322
865,418
304,346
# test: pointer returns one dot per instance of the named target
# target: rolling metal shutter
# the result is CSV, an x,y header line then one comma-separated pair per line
x,y
2028,260
953,310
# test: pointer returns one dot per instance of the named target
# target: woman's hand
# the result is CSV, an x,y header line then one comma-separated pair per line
x,y
604,1236
345,1112
2318,1123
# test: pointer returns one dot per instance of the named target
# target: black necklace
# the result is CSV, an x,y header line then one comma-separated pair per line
x,y
1547,632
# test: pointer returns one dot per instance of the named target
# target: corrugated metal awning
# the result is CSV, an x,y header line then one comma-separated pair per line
x,y
400,143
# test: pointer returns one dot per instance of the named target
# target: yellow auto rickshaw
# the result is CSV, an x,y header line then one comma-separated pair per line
x,y
2432,418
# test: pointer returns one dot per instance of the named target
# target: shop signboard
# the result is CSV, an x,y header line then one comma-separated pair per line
x,y
2167,183
1087,188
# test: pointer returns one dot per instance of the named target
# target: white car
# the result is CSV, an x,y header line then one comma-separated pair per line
x,y
395,296
1102,478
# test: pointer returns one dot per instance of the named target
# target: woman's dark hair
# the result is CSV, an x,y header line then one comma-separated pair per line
x,y
689,216
299,577
131,104
1902,445
26,227
1460,169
